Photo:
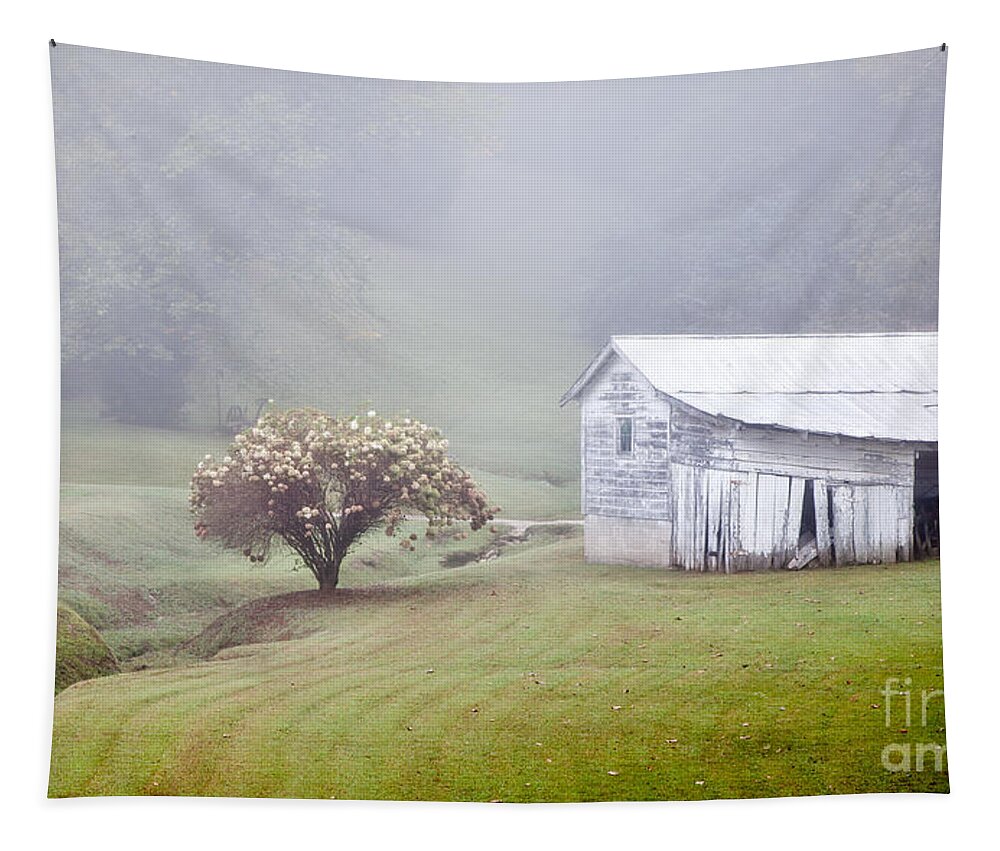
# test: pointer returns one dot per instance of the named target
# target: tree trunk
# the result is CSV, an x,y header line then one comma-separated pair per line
x,y
329,575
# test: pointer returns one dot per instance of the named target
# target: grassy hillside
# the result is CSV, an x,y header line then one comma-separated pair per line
x,y
81,653
532,677
131,566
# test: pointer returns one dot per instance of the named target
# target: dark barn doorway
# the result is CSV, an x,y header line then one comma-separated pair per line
x,y
926,525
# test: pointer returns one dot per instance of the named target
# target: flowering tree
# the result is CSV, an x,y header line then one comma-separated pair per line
x,y
318,483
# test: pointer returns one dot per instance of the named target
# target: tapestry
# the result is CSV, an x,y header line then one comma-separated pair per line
x,y
514,442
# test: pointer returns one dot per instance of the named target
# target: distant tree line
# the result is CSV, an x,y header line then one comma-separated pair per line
x,y
222,217
815,210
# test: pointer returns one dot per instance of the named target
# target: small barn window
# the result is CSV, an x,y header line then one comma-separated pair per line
x,y
626,428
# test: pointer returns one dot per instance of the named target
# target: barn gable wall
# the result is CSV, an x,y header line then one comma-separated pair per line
x,y
615,485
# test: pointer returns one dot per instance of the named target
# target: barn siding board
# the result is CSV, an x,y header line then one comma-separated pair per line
x,y
720,529
843,524
746,488
891,543
693,520
887,525
764,528
767,501
740,522
731,531
682,528
700,519
713,520
904,522
861,527
821,506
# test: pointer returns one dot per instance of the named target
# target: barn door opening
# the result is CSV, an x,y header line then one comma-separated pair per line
x,y
807,523
926,526
806,546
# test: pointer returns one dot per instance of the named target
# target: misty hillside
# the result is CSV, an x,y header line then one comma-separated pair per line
x,y
459,250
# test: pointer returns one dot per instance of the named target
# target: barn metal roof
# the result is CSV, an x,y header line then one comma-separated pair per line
x,y
859,385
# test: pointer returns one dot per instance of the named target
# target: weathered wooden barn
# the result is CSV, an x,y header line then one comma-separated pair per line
x,y
730,453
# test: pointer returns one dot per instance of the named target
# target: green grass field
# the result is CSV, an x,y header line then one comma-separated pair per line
x,y
533,677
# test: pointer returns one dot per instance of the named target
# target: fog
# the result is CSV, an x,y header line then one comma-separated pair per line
x,y
462,249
